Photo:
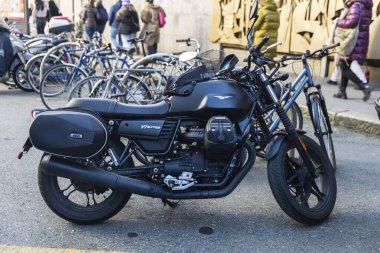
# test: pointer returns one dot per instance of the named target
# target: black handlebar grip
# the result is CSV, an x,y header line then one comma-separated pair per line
x,y
333,46
262,43
179,41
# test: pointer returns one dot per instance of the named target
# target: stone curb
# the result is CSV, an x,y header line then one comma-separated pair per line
x,y
337,119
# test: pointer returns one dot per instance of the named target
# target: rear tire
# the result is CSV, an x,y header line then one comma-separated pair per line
x,y
75,203
295,191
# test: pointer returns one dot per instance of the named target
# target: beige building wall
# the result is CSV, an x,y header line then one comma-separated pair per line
x,y
305,24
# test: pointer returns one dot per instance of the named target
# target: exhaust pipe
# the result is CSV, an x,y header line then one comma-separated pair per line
x,y
60,167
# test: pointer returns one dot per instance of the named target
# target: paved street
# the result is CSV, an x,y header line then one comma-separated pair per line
x,y
249,220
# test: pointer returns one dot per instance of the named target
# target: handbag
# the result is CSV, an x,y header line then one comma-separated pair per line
x,y
347,37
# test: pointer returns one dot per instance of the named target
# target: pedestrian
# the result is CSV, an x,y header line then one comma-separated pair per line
x,y
103,17
153,17
39,14
359,16
6,52
129,23
115,38
53,9
267,24
90,18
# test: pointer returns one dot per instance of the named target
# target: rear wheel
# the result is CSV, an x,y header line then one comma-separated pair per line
x,y
305,199
80,202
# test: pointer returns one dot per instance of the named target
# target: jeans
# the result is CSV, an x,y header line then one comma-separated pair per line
x,y
90,32
125,38
152,49
6,52
100,29
41,23
115,38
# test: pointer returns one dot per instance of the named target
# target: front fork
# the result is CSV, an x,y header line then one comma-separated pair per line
x,y
294,137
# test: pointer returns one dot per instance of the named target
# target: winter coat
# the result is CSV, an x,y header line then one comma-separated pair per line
x,y
90,16
149,16
267,24
359,10
112,15
129,20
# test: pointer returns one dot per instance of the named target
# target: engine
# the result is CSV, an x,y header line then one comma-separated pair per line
x,y
202,155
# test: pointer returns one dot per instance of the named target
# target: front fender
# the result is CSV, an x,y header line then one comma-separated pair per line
x,y
274,145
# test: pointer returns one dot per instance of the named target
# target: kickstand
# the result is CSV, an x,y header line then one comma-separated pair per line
x,y
170,203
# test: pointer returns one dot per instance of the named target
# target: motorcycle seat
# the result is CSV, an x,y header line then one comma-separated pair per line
x,y
113,109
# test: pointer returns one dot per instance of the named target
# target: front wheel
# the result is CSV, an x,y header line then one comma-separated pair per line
x,y
305,199
19,77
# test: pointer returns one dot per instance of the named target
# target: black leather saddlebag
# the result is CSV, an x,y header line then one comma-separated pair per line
x,y
69,133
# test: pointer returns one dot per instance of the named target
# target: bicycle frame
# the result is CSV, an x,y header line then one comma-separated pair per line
x,y
303,82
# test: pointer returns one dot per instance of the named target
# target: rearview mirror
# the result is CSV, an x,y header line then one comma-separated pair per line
x,y
253,13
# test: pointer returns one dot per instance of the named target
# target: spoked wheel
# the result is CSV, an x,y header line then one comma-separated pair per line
x,y
80,202
320,123
33,69
305,199
57,83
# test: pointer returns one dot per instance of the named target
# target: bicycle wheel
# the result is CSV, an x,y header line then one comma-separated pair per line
x,y
321,122
94,87
33,69
57,83
137,91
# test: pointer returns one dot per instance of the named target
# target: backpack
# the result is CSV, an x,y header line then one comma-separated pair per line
x,y
103,16
161,18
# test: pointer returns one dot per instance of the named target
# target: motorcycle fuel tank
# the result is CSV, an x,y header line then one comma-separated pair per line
x,y
211,98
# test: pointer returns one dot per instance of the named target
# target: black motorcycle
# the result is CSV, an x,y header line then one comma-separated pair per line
x,y
192,145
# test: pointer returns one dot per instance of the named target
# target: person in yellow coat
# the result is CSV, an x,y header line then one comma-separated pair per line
x,y
267,24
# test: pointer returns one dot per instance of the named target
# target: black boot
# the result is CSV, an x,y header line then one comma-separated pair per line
x,y
366,90
341,93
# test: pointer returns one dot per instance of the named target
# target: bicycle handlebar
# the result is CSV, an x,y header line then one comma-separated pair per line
x,y
308,54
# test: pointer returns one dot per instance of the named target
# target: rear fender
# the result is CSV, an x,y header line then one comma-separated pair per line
x,y
276,142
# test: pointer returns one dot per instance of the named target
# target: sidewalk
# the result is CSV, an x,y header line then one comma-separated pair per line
x,y
352,113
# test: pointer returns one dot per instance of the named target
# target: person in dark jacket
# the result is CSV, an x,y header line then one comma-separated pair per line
x,y
116,42
90,18
53,9
359,14
129,23
103,17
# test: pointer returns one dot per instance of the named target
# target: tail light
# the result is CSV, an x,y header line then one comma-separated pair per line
x,y
35,112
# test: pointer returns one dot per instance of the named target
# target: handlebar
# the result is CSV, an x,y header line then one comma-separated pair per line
x,y
183,40
322,50
262,43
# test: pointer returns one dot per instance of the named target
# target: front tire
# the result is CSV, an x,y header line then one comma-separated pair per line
x,y
306,200
79,202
